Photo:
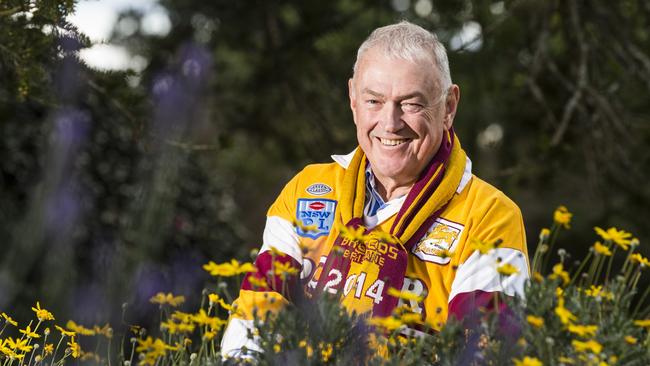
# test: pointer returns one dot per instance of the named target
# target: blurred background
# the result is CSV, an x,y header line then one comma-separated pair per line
x,y
140,139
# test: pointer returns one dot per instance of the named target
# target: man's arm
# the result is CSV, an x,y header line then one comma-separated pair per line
x,y
276,280
477,279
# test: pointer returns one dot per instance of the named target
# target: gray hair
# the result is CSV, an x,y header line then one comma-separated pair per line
x,y
405,40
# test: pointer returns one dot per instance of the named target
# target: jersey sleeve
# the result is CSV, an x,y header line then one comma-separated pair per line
x,y
497,224
276,279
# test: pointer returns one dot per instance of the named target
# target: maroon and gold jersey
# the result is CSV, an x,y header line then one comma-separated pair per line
x,y
443,266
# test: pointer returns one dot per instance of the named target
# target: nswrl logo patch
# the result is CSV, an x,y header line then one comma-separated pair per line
x,y
317,213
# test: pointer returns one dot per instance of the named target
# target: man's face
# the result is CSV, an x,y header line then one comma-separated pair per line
x,y
401,112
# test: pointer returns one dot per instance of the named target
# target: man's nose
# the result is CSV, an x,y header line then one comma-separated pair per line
x,y
392,117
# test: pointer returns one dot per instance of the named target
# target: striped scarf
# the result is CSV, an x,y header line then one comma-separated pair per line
x,y
364,263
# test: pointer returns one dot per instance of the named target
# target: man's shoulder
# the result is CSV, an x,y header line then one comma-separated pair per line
x,y
482,194
325,171
312,189
318,180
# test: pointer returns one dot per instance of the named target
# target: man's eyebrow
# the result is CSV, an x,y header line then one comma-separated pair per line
x,y
401,97
411,95
372,92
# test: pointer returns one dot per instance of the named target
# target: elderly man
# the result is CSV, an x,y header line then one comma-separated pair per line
x,y
401,211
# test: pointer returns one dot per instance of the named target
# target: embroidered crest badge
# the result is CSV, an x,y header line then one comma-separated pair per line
x,y
439,242
316,217
319,189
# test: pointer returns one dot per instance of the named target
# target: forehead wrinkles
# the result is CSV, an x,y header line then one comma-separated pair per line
x,y
377,70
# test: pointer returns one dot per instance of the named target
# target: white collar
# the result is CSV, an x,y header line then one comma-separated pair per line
x,y
344,160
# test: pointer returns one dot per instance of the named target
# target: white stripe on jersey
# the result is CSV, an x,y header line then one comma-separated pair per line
x,y
280,234
236,336
479,272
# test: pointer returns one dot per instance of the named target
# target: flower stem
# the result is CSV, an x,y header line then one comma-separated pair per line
x,y
538,254
641,301
609,265
627,259
579,271
44,344
555,229
57,348
108,350
599,270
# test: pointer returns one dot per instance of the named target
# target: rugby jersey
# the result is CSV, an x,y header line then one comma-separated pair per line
x,y
451,285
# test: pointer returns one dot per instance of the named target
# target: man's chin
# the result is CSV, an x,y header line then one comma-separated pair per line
x,y
389,171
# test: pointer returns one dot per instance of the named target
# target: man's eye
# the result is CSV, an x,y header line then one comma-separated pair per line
x,y
411,107
373,104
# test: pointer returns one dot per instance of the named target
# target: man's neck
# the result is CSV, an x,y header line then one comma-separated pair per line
x,y
390,189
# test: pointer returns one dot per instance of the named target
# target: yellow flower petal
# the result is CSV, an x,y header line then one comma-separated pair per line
x,y
620,237
389,323
535,321
232,268
599,248
566,317
638,258
527,361
583,330
559,272
642,323
42,314
507,269
562,217
404,295
588,346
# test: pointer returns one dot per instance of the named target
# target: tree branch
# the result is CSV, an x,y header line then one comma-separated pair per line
x,y
9,12
570,107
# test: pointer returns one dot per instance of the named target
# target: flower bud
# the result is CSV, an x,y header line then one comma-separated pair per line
x,y
544,234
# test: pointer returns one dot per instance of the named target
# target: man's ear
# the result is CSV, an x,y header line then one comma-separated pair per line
x,y
451,105
353,99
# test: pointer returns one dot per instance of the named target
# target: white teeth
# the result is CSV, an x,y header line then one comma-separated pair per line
x,y
390,142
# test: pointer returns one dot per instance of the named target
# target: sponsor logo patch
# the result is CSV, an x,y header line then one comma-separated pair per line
x,y
319,189
318,214
439,242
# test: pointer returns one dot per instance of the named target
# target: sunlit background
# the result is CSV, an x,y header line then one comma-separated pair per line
x,y
99,19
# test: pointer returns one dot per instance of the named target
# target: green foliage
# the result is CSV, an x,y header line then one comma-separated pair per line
x,y
322,333
312,333
29,34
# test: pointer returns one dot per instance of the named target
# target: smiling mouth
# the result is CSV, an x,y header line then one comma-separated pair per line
x,y
391,142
